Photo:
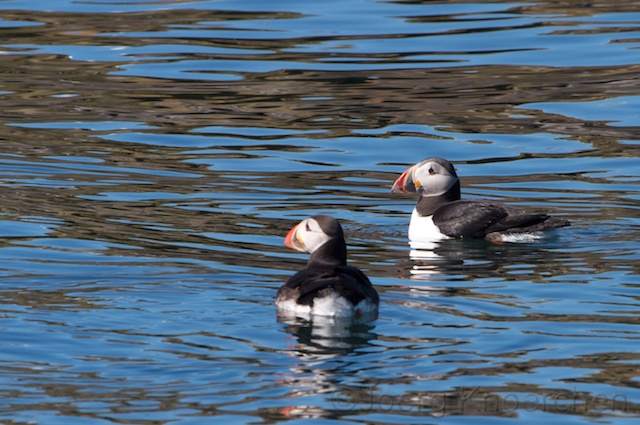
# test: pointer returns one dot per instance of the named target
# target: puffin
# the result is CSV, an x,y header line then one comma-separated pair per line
x,y
441,213
327,286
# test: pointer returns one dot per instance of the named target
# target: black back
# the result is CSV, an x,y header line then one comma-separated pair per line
x,y
345,281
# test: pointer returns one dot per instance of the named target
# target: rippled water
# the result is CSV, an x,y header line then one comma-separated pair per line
x,y
154,155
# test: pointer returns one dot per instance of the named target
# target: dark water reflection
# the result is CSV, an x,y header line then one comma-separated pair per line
x,y
155,154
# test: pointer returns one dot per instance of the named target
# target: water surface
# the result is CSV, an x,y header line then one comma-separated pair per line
x,y
154,155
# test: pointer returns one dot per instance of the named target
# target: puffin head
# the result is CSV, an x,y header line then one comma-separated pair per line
x,y
312,233
429,177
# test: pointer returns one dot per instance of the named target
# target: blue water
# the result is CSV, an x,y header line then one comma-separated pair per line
x,y
154,155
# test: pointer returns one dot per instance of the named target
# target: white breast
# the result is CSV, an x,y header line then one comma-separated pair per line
x,y
332,305
423,230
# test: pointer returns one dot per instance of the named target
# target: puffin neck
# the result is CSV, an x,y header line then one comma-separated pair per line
x,y
427,205
332,254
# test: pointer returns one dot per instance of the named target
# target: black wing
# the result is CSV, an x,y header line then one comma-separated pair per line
x,y
519,220
468,218
348,282
475,219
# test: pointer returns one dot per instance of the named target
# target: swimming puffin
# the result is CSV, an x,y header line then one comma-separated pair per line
x,y
327,286
441,214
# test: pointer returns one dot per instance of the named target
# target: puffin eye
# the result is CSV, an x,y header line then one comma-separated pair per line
x,y
431,171
307,227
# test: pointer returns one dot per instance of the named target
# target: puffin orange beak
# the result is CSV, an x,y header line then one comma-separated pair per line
x,y
404,183
292,241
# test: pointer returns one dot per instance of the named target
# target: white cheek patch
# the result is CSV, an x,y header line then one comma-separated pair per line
x,y
312,235
438,184
313,240
433,184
